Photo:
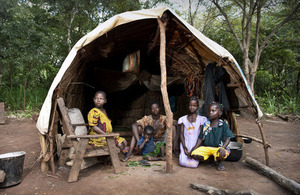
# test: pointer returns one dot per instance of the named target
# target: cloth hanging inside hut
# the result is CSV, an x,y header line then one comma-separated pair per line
x,y
152,81
211,80
219,76
209,87
112,81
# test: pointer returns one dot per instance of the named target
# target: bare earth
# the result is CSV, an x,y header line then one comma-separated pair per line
x,y
18,135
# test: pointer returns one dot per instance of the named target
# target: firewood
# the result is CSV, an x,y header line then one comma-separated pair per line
x,y
277,177
217,191
283,117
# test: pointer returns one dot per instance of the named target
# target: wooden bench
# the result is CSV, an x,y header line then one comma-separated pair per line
x,y
82,149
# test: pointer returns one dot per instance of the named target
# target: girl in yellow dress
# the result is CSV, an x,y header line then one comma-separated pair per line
x,y
99,123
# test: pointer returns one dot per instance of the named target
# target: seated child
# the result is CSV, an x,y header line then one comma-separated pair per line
x,y
214,137
150,150
99,123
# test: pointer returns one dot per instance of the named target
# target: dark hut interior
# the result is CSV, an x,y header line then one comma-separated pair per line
x,y
99,66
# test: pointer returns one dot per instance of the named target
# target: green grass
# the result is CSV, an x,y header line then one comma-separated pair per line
x,y
13,98
278,105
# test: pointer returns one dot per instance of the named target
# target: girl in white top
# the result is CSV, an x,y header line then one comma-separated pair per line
x,y
190,130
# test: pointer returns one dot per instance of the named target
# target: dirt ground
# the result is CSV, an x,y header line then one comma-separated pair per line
x,y
22,135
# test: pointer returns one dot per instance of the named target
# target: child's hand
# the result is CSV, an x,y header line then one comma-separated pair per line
x,y
186,152
222,153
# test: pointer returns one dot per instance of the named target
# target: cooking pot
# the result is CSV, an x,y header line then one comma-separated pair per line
x,y
236,151
247,140
12,165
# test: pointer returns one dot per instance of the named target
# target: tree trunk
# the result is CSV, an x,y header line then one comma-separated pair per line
x,y
11,76
246,66
297,86
69,26
190,13
24,94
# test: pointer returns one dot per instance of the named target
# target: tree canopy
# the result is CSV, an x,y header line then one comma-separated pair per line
x,y
37,35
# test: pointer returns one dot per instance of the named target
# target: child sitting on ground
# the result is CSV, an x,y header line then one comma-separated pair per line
x,y
190,130
215,137
150,150
99,123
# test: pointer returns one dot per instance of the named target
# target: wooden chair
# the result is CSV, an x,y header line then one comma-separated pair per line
x,y
82,149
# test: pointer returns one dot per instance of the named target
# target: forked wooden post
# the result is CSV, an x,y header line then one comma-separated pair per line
x,y
163,87
44,148
266,145
50,137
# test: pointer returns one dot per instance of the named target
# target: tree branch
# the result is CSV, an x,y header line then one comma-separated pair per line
x,y
288,18
240,5
249,22
257,53
197,7
229,23
243,21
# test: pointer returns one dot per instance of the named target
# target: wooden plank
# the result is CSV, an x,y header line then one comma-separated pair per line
x,y
67,126
125,133
2,176
93,136
114,155
80,151
62,157
69,130
93,153
80,124
2,113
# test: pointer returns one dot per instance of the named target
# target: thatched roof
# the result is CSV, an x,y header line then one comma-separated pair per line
x,y
96,60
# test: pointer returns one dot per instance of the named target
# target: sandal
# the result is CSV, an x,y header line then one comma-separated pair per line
x,y
126,157
144,162
221,167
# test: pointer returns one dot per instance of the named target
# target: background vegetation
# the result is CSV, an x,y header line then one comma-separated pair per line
x,y
37,35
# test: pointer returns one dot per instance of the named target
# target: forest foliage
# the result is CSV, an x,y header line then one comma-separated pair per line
x,y
37,35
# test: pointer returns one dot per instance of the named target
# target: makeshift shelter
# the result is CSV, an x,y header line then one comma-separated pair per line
x,y
124,56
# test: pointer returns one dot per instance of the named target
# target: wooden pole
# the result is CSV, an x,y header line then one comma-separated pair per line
x,y
50,137
266,145
254,139
278,178
44,164
163,87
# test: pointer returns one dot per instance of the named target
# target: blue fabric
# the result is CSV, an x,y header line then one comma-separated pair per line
x,y
172,100
148,147
216,135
